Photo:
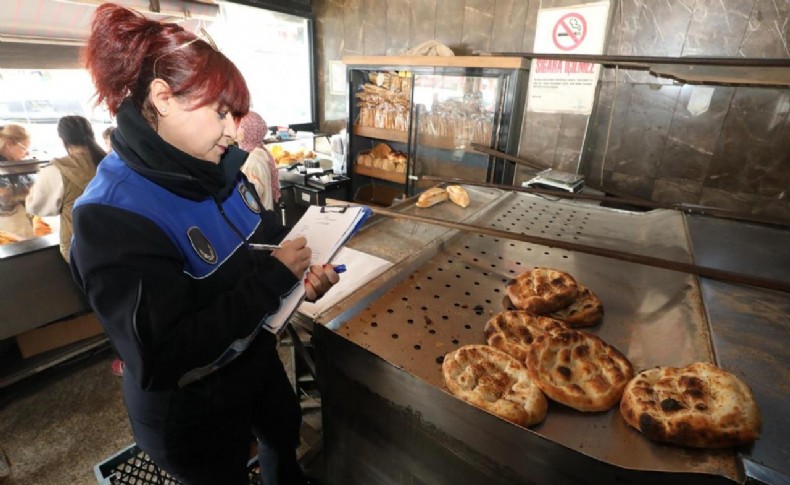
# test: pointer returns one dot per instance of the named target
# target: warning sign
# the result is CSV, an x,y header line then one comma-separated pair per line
x,y
569,32
558,86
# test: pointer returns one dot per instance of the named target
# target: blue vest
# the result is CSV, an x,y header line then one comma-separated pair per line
x,y
183,220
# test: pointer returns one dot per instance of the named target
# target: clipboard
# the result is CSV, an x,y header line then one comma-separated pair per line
x,y
326,229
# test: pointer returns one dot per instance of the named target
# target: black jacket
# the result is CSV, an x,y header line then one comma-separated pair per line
x,y
165,318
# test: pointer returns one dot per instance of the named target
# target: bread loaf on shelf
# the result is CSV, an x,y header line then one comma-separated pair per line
x,y
458,195
432,196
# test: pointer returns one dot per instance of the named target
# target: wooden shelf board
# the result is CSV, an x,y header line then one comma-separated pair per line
x,y
401,62
381,133
397,177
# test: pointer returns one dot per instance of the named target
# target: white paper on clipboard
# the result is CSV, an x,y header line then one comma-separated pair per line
x,y
326,230
360,268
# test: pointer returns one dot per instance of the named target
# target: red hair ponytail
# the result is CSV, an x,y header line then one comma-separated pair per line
x,y
124,47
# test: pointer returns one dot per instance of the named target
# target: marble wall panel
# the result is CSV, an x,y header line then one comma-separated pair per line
x,y
768,31
644,132
756,122
605,136
353,31
717,28
375,27
478,25
398,20
528,43
636,185
330,41
569,142
692,138
777,209
510,17
662,27
676,191
725,199
423,22
539,134
450,23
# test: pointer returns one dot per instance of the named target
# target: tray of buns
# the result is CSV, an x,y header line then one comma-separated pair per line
x,y
447,288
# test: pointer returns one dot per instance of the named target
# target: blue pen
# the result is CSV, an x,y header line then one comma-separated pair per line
x,y
340,268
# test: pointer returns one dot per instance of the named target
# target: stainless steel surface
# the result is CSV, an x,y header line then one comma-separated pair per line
x,y
441,295
751,327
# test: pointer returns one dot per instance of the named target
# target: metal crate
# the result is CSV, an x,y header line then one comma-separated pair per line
x,y
134,466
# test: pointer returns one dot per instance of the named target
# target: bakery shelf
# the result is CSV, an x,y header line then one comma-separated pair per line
x,y
381,133
397,177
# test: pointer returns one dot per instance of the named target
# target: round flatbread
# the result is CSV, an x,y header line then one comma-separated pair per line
x,y
578,369
585,311
699,406
514,331
496,382
542,290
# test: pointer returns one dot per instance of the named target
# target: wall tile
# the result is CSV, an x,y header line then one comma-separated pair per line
x,y
635,185
755,124
478,25
645,129
662,28
716,28
353,15
375,28
625,24
510,18
692,139
728,200
676,191
768,30
539,134
398,19
569,142
450,23
778,209
604,143
528,43
423,22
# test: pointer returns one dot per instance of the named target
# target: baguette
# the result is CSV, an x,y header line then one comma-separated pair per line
x,y
458,195
432,196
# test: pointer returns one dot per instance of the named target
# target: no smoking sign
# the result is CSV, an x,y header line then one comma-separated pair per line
x,y
569,31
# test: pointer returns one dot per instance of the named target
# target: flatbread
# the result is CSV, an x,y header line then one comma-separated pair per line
x,y
585,311
699,405
542,290
514,331
496,382
578,369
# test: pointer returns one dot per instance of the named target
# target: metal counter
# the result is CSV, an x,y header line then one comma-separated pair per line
x,y
446,284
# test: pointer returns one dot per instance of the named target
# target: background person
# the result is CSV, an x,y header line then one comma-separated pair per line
x,y
160,248
259,167
15,146
59,184
106,137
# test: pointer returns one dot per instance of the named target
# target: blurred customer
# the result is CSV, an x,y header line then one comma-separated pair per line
x,y
15,146
259,167
106,136
60,183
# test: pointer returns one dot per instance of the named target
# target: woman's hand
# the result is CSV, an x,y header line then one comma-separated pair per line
x,y
319,280
295,255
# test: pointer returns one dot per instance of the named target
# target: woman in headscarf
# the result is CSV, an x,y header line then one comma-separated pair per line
x,y
259,167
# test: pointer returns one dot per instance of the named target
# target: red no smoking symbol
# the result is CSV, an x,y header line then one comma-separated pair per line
x,y
569,31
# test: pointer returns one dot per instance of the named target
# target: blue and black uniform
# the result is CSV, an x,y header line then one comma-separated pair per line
x,y
160,248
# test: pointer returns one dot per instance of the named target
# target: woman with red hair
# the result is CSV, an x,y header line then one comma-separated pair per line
x,y
161,248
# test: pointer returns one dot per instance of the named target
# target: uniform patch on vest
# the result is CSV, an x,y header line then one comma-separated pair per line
x,y
202,245
249,198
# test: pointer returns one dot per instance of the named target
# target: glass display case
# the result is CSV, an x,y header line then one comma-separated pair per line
x,y
417,116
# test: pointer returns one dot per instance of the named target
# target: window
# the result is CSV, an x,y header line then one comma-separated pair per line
x,y
39,98
274,52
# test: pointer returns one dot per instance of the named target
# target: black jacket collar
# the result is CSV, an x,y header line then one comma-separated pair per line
x,y
145,152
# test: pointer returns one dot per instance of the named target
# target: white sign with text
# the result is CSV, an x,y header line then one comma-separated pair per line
x,y
560,86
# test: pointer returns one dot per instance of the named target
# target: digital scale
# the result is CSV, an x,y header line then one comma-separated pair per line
x,y
556,179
